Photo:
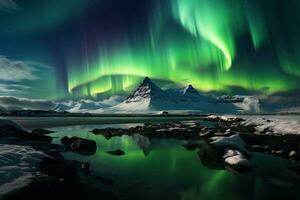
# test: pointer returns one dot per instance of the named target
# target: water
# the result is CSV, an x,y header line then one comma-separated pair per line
x,y
164,169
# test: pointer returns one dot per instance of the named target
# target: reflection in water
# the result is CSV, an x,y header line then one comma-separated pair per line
x,y
164,169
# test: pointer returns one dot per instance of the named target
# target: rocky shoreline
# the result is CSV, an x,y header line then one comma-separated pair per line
x,y
220,143
229,140
55,177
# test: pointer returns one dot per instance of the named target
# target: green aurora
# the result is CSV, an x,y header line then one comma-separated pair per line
x,y
101,47
198,47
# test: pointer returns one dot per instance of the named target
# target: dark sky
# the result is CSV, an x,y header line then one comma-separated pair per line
x,y
77,48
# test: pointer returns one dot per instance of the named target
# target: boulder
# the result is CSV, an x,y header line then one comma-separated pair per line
x,y
40,131
80,145
210,157
232,142
190,147
236,161
117,152
10,129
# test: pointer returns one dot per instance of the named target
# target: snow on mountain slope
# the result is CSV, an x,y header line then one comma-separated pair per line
x,y
149,97
87,106
147,90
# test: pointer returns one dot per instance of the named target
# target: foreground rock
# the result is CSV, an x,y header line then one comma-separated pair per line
x,y
40,131
12,130
178,130
228,127
79,145
33,168
225,152
117,152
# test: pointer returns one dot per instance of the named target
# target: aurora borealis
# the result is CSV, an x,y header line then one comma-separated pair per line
x,y
105,47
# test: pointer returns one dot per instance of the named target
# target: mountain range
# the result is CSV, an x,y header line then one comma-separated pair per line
x,y
149,97
146,98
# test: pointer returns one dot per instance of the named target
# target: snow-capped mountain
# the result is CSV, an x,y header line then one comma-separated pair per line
x,y
190,91
146,90
87,105
79,106
149,97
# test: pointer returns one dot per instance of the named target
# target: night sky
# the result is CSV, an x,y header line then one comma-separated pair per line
x,y
96,48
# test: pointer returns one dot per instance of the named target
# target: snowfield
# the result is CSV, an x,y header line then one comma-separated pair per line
x,y
275,126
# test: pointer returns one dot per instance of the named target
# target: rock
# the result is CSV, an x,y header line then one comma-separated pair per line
x,y
80,145
10,130
259,148
108,133
293,155
83,146
190,147
117,152
210,157
41,131
85,166
277,152
236,161
163,113
96,131
65,140
232,142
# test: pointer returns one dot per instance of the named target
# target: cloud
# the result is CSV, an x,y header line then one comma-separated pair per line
x,y
15,70
8,6
17,75
7,89
24,103
113,100
281,100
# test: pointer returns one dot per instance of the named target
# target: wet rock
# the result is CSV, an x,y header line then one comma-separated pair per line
x,y
12,130
96,131
190,147
260,148
85,166
232,142
85,147
210,157
117,152
277,152
108,133
236,161
294,155
80,145
41,131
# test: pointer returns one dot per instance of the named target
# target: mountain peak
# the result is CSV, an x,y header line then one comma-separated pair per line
x,y
190,90
147,82
145,90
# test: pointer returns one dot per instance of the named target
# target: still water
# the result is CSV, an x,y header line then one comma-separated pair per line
x,y
164,169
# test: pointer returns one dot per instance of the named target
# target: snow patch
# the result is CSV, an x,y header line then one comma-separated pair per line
x,y
234,141
18,166
234,157
276,126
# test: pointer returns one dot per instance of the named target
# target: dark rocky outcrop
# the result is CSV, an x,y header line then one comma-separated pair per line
x,y
79,145
40,131
117,152
11,130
